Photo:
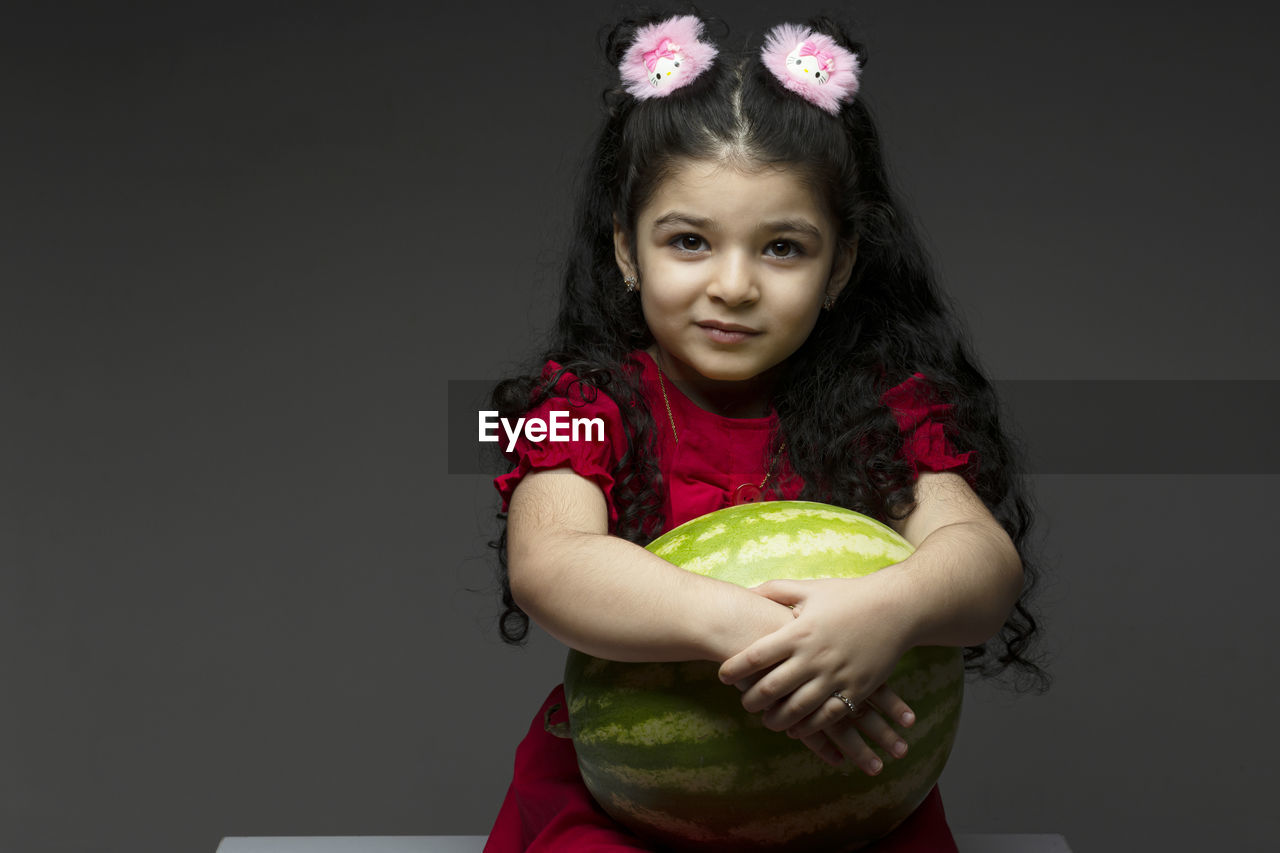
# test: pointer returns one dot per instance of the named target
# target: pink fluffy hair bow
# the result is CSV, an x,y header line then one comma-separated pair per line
x,y
812,65
665,56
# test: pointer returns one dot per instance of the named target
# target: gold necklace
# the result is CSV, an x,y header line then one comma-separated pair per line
x,y
747,493
663,387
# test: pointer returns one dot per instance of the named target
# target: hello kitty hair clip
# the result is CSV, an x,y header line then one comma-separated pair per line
x,y
665,56
812,65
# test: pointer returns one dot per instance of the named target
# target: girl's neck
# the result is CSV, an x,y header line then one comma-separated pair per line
x,y
751,398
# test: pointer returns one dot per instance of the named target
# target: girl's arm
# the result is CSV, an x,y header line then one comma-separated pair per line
x,y
965,575
611,598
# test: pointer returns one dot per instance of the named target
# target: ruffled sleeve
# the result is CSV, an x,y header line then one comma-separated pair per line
x,y
594,452
920,416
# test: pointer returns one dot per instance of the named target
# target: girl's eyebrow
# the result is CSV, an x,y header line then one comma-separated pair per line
x,y
675,217
798,226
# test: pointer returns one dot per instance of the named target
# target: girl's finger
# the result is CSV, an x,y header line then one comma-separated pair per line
x,y
876,729
801,704
785,592
821,745
745,684
895,710
854,748
764,652
827,714
774,687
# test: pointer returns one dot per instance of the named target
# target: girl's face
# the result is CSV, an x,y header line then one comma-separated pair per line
x,y
734,266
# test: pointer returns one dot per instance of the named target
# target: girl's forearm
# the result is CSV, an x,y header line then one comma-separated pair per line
x,y
959,586
613,599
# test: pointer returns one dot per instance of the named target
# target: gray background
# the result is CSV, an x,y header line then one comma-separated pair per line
x,y
244,248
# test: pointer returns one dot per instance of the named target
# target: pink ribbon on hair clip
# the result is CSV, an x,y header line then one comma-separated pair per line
x,y
826,60
666,50
665,56
812,65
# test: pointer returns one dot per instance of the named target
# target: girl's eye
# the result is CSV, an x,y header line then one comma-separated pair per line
x,y
689,242
783,249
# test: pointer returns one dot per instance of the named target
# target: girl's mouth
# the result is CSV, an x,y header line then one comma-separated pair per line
x,y
727,333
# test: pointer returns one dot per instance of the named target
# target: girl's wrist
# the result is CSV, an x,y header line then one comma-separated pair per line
x,y
745,620
892,586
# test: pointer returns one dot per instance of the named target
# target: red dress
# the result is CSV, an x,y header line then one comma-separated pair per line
x,y
548,808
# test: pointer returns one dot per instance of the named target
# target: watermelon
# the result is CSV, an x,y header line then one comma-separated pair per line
x,y
668,751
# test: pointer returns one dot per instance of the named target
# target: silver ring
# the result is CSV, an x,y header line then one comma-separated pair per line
x,y
852,706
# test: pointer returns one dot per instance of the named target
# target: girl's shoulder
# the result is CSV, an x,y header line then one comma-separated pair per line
x,y
924,418
576,425
914,391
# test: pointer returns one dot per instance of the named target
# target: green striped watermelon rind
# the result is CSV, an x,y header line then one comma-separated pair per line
x,y
776,545
739,785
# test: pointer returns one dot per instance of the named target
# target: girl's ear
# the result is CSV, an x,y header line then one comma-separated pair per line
x,y
622,251
842,267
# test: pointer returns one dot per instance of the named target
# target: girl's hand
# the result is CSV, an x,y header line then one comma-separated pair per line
x,y
819,742
840,739
844,739
847,636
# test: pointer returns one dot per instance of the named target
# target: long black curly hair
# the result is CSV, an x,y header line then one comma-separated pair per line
x,y
888,322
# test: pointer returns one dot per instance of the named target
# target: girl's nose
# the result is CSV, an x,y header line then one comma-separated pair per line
x,y
733,281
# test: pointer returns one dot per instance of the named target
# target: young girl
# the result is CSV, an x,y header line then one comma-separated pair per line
x,y
749,313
